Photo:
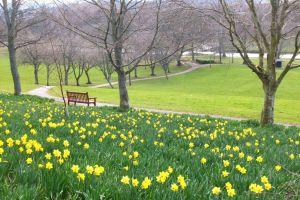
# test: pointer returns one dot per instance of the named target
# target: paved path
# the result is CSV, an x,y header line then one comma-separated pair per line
x,y
43,92
193,66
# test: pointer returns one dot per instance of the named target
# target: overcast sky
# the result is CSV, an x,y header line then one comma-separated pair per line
x,y
51,1
48,1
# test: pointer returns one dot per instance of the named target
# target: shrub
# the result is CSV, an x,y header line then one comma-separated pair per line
x,y
203,62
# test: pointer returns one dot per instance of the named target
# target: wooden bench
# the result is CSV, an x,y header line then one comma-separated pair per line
x,y
80,97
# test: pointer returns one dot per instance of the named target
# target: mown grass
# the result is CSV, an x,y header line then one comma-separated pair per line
x,y
27,75
228,89
224,89
139,144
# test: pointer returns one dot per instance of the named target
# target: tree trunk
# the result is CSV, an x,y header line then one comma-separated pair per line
x,y
66,77
267,115
36,74
221,45
165,70
279,50
88,77
135,73
152,67
124,99
77,81
109,82
179,57
179,62
107,76
193,53
129,78
67,67
14,68
47,75
244,61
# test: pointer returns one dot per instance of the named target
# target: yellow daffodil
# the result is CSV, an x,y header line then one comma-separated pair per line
x,y
125,180
49,165
80,176
174,187
203,160
216,190
75,168
225,173
278,168
146,183
134,182
29,161
256,188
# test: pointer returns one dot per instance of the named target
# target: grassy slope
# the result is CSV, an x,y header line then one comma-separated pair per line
x,y
229,91
27,77
6,83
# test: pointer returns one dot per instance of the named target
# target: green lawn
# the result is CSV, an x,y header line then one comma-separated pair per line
x,y
101,152
27,76
223,90
227,89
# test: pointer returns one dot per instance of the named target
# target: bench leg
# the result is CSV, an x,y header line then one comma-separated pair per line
x,y
88,104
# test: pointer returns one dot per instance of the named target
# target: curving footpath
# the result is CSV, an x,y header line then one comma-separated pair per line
x,y
193,66
43,92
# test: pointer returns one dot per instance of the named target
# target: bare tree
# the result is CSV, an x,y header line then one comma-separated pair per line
x,y
164,61
89,64
119,28
67,49
78,66
17,19
102,62
60,76
151,61
267,39
87,69
264,24
47,60
186,28
221,46
115,26
49,69
161,52
32,55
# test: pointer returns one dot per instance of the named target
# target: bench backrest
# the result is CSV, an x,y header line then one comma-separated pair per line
x,y
78,96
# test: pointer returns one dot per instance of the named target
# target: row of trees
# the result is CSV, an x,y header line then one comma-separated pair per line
x,y
120,36
74,58
77,58
153,29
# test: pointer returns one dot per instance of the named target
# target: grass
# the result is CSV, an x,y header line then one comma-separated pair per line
x,y
228,90
27,76
188,151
